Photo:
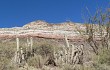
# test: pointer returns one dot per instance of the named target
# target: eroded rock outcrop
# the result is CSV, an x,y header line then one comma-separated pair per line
x,y
43,29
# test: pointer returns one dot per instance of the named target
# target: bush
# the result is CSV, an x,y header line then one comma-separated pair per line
x,y
68,67
35,61
7,50
5,64
104,57
44,50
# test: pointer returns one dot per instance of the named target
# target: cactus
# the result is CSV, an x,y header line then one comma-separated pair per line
x,y
67,49
66,40
55,55
22,59
17,59
66,57
17,41
31,42
61,56
22,54
72,52
28,43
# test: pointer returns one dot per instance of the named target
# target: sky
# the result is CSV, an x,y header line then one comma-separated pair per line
x,y
20,12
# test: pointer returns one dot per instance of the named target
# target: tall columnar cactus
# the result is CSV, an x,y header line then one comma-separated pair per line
x,y
31,42
65,55
66,40
17,59
81,54
72,52
78,54
22,59
17,41
67,50
61,55
22,55
55,55
27,41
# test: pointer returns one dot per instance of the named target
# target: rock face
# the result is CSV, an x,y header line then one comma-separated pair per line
x,y
36,24
66,26
45,30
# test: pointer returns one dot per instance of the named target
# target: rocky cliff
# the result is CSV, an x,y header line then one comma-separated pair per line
x,y
43,29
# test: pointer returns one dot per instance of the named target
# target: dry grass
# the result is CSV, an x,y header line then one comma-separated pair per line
x,y
7,51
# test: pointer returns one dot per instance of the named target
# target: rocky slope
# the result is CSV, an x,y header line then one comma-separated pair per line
x,y
43,29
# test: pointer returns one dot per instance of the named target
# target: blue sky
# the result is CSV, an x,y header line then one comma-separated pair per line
x,y
20,12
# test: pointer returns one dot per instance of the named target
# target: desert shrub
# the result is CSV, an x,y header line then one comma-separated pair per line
x,y
98,66
7,50
104,57
35,61
5,64
68,67
44,50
